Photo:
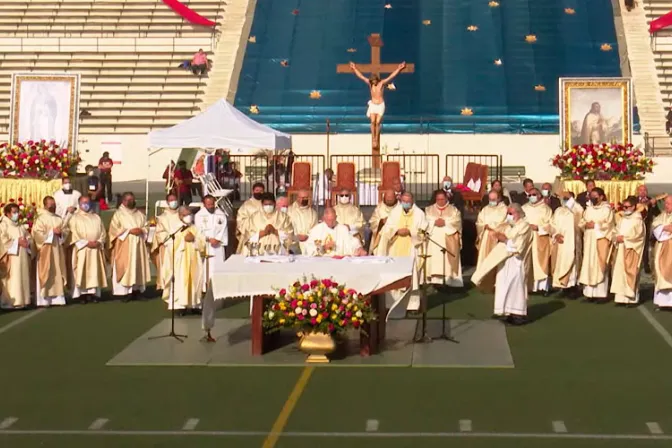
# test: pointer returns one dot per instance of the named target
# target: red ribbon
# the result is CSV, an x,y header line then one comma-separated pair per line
x,y
188,14
660,23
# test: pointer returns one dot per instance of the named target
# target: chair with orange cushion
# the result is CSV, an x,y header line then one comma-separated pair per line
x,y
302,179
390,172
345,179
473,173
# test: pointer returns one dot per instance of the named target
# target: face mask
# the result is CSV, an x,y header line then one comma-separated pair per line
x,y
406,205
509,218
15,217
447,184
344,199
283,209
304,202
268,209
492,203
569,202
627,212
593,201
533,199
67,187
85,206
545,193
130,204
90,173
188,219
52,209
172,205
257,196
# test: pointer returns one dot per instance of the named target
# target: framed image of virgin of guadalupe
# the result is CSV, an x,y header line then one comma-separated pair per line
x,y
45,106
595,110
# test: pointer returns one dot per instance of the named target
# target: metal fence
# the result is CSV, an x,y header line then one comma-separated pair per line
x,y
456,165
421,173
657,145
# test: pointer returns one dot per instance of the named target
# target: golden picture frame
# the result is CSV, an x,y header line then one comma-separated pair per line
x,y
595,110
45,106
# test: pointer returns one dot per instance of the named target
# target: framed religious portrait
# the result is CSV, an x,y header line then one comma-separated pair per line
x,y
595,110
45,106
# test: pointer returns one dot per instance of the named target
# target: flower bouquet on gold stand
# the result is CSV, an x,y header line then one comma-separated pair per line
x,y
603,162
318,309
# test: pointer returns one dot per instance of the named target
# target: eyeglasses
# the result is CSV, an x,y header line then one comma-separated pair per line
x,y
343,195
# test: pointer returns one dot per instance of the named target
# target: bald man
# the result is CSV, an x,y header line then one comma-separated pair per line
x,y
332,238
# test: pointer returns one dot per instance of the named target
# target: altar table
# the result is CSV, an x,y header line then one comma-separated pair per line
x,y
240,276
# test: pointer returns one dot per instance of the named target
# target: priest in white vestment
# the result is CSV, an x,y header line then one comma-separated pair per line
x,y
331,238
303,218
538,215
566,251
349,214
323,186
491,219
211,223
270,228
245,212
444,266
597,224
66,199
379,217
86,239
662,257
403,236
629,238
49,235
167,224
185,253
128,249
511,259
17,249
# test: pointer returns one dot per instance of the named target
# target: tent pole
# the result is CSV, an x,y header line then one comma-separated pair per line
x,y
328,131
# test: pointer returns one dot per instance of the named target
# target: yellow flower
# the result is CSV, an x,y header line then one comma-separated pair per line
x,y
348,306
355,308
281,321
354,319
291,314
299,296
311,299
341,323
334,307
334,317
300,302
319,318
282,305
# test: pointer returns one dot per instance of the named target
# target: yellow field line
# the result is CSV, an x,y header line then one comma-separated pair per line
x,y
287,409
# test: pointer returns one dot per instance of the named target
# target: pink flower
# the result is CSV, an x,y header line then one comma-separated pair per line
x,y
305,287
314,283
293,303
313,305
331,327
300,317
348,314
313,321
325,314
326,282
283,292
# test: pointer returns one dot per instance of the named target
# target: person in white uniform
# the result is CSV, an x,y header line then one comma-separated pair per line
x,y
66,200
211,223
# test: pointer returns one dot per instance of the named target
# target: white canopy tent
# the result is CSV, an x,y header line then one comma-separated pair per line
x,y
219,126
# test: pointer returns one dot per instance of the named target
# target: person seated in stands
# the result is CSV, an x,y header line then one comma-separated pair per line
x,y
503,193
199,63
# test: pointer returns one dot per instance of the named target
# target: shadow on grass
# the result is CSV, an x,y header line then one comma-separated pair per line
x,y
447,295
538,311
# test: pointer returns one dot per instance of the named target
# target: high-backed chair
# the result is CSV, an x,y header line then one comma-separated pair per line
x,y
390,172
475,175
345,178
302,176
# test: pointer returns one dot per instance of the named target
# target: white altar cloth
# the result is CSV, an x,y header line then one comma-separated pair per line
x,y
239,277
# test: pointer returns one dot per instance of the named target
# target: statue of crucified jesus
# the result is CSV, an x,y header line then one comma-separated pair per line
x,y
376,108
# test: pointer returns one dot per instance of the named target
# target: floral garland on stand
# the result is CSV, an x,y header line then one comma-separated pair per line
x,y
603,162
37,160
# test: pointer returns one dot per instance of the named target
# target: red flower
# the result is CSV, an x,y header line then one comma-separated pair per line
x,y
314,283
300,317
283,292
313,321
325,314
331,327
326,282
355,324
305,287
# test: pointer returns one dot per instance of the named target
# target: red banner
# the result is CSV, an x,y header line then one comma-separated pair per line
x,y
660,23
188,14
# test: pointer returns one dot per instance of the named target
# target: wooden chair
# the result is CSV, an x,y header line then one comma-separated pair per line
x,y
390,172
475,172
302,176
345,178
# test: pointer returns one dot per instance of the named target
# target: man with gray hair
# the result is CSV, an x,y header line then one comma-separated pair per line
x,y
511,260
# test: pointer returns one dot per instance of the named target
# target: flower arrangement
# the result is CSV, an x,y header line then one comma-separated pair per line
x,y
27,212
37,159
318,306
603,162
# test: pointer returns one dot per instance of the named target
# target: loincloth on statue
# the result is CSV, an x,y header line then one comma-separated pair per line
x,y
375,109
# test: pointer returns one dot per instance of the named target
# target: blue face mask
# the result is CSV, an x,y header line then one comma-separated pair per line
x,y
15,217
85,206
406,205
492,203
533,199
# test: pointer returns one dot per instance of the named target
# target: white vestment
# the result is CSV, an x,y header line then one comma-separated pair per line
x,y
662,294
64,201
322,190
212,225
344,243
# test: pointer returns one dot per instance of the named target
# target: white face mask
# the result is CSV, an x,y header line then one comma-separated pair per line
x,y
268,209
172,205
447,184
344,199
283,209
627,212
545,193
493,203
509,218
67,187
90,173
187,219
569,203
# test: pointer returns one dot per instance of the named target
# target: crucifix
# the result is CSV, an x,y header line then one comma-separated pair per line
x,y
377,86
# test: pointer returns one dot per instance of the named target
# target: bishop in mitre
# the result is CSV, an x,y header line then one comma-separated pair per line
x,y
597,224
445,229
185,253
379,217
86,238
511,259
566,251
403,236
662,257
49,235
127,245
332,238
211,223
349,214
270,228
538,216
17,249
628,238
491,219
245,212
167,224
303,218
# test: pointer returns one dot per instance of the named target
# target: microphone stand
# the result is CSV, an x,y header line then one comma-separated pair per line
x,y
172,334
424,337
444,335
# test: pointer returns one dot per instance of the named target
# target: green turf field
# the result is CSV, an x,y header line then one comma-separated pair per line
x,y
599,372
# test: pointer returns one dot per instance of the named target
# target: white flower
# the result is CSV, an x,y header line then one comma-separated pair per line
x,y
298,310
313,313
334,290
607,165
358,314
271,314
620,159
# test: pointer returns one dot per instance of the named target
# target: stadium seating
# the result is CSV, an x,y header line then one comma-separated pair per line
x,y
662,46
127,51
